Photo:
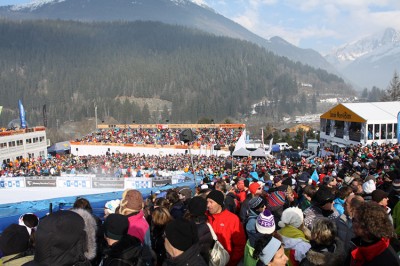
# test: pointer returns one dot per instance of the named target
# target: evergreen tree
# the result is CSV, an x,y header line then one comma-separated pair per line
x,y
393,91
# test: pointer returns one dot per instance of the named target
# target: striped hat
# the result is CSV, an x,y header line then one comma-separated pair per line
x,y
265,222
396,185
276,198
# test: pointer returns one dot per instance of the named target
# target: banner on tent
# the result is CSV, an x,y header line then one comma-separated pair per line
x,y
14,182
74,181
107,182
46,181
138,182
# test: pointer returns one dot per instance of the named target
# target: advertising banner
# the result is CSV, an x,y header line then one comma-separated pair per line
x,y
74,181
162,181
176,179
13,182
107,182
45,181
138,182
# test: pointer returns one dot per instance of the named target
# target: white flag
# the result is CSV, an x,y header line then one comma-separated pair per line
x,y
241,143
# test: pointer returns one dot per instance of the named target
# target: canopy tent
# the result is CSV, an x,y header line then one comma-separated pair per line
x,y
241,152
60,147
259,152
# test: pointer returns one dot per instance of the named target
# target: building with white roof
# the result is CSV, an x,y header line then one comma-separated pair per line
x,y
365,123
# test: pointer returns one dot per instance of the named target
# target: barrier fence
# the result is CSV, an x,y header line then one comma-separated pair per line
x,y
90,181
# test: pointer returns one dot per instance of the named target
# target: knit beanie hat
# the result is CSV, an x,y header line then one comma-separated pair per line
x,y
217,196
132,200
265,222
181,233
254,187
197,206
396,185
256,203
14,239
291,216
369,186
116,226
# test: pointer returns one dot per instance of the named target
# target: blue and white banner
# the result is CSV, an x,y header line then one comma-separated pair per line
x,y
138,182
21,114
12,182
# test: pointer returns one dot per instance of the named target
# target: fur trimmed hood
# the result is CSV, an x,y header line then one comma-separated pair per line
x,y
326,258
90,229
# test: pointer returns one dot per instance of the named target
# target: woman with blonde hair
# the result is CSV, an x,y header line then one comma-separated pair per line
x,y
160,218
326,249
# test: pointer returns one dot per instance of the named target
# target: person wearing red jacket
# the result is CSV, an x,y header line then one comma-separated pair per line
x,y
226,226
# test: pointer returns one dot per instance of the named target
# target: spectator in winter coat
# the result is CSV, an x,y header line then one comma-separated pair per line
x,y
160,218
132,207
295,236
269,251
14,242
197,213
176,207
230,201
344,222
326,248
257,206
264,224
374,232
226,226
61,240
321,206
181,244
123,249
255,190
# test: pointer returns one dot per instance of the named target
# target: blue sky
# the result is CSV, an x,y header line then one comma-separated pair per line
x,y
318,24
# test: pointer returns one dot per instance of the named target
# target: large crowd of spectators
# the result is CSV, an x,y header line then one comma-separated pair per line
x,y
341,209
162,136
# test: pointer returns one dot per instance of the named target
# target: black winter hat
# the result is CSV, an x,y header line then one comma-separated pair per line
x,y
14,240
182,234
322,196
116,226
217,196
197,206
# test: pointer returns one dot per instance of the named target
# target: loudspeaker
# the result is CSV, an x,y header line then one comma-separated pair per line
x,y
186,136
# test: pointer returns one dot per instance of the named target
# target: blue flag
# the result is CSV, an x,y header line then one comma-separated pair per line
x,y
21,114
315,177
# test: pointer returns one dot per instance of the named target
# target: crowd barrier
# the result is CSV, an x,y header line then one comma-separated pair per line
x,y
10,212
90,181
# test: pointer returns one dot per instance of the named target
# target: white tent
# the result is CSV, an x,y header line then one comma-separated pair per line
x,y
241,152
259,152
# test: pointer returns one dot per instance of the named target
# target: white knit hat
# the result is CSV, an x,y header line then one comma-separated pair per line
x,y
369,186
265,222
291,216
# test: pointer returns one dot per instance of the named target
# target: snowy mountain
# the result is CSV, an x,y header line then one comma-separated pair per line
x,y
370,61
190,13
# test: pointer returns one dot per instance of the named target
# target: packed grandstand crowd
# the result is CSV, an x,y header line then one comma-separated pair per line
x,y
162,136
342,209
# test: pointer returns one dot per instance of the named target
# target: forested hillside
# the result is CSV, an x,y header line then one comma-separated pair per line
x,y
71,66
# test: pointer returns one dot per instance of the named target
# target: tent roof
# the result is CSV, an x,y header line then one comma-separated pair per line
x,y
372,111
259,152
60,147
241,152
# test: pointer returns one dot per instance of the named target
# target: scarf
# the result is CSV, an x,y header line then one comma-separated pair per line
x,y
361,254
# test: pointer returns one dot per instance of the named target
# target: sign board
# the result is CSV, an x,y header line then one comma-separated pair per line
x,y
107,182
176,179
138,182
14,182
74,181
45,181
162,181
